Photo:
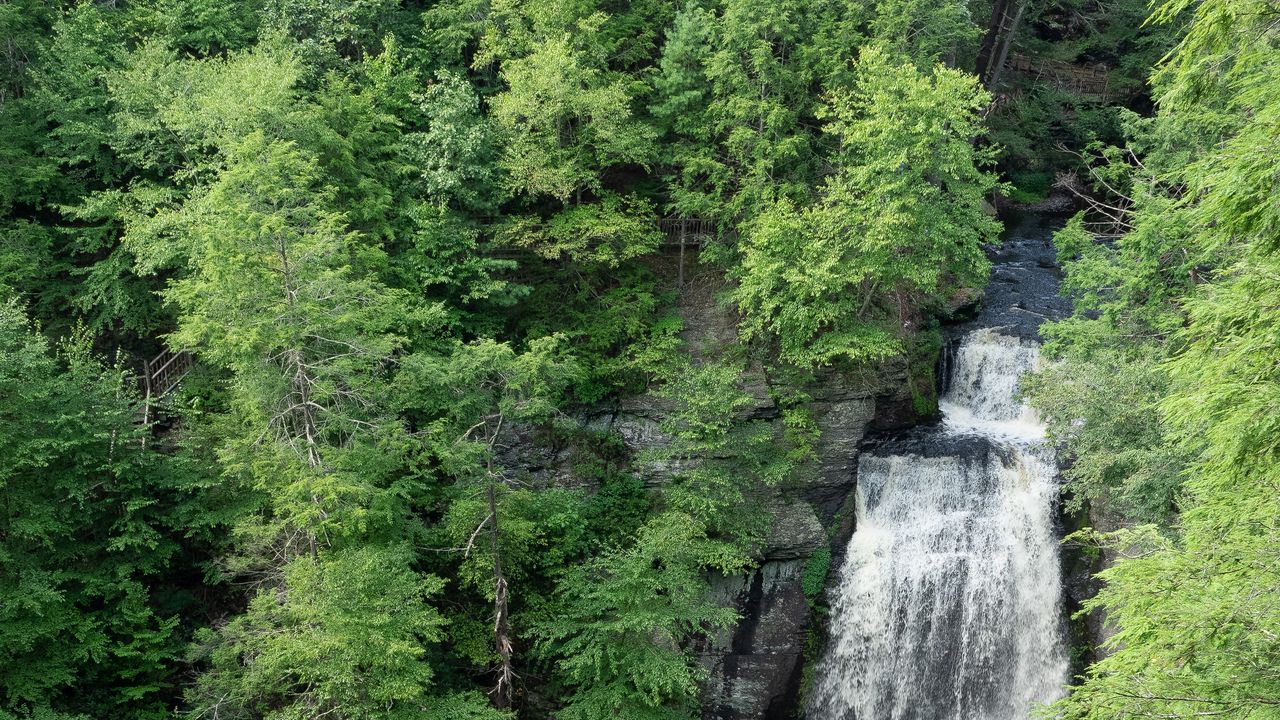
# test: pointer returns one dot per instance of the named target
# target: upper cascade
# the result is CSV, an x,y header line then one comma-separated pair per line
x,y
982,393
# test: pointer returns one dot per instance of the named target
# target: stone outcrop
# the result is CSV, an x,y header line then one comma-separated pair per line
x,y
754,670
1089,633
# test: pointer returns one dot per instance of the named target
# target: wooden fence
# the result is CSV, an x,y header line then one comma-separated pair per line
x,y
160,376
1087,81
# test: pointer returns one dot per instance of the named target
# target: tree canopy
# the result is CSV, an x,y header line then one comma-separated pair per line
x,y
426,260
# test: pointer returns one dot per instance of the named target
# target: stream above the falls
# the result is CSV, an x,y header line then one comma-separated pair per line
x,y
949,603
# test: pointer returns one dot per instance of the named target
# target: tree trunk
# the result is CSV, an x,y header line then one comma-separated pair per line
x,y
299,401
1005,18
502,690
993,78
991,39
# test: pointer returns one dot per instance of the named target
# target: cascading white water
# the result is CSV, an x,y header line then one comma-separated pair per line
x,y
949,603
982,392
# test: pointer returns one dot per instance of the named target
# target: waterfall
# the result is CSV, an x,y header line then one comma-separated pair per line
x,y
949,601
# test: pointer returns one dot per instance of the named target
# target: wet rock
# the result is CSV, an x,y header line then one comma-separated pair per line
x,y
963,304
754,669
843,424
1099,629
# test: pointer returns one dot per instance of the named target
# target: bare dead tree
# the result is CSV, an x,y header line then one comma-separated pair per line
x,y
1108,212
503,688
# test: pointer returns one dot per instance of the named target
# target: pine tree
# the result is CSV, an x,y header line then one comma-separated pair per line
x,y
900,221
1194,604
91,522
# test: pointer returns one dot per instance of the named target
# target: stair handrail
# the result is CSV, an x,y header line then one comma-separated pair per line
x,y
162,373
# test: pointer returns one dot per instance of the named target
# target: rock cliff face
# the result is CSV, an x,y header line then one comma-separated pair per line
x,y
1080,582
755,669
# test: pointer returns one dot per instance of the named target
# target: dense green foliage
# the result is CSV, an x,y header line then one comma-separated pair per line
x,y
407,244
415,250
1167,392
1042,125
93,526
885,229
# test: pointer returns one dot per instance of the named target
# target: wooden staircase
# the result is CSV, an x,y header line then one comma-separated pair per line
x,y
161,375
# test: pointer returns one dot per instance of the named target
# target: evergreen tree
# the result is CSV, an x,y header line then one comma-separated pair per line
x,y
1194,604
901,221
407,242
487,389
92,521
624,624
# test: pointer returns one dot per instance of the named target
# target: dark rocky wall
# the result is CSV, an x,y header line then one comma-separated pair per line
x,y
755,669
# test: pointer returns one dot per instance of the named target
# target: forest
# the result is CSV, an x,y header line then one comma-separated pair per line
x,y
310,311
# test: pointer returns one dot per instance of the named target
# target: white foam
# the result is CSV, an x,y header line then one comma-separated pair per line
x,y
949,603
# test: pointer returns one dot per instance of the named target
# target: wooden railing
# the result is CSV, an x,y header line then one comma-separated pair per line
x,y
686,231
161,375
1087,81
